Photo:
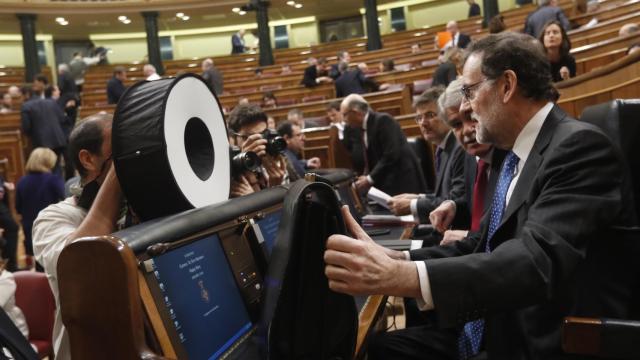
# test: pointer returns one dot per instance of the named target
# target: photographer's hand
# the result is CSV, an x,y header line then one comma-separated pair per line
x,y
256,144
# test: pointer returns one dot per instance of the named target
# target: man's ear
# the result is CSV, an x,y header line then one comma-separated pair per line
x,y
509,86
87,160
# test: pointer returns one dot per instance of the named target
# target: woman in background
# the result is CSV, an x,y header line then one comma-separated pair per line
x,y
37,190
557,45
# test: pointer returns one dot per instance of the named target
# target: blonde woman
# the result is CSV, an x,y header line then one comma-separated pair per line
x,y
37,190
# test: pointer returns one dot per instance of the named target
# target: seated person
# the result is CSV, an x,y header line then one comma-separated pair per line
x,y
269,100
335,117
449,160
557,46
295,143
94,209
247,124
316,74
8,299
387,65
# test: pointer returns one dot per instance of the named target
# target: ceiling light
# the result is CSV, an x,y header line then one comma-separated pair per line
x,y
242,12
180,15
60,19
122,18
236,9
298,6
126,21
291,3
185,18
64,23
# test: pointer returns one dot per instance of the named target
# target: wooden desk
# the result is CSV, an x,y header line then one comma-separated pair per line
x,y
371,311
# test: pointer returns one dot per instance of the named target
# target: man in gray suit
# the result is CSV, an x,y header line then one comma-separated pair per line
x,y
547,11
449,160
545,249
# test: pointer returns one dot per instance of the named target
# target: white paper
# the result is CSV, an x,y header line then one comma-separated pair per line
x,y
416,244
379,196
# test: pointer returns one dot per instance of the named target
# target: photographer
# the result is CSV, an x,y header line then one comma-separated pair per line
x,y
94,210
248,125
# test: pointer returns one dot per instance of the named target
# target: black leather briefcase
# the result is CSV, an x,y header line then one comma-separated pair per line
x,y
302,318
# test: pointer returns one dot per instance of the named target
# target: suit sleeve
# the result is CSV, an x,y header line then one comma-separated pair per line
x,y
574,195
26,121
389,136
563,20
309,80
456,188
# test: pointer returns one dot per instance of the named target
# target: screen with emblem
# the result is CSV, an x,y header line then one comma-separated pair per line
x,y
203,300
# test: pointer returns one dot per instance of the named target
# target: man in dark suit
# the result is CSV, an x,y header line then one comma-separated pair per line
x,y
212,77
464,213
115,85
474,9
457,38
353,81
294,137
559,192
547,11
237,42
449,161
390,164
316,74
343,57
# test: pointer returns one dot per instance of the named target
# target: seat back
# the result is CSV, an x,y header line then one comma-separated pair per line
x,y
619,119
35,299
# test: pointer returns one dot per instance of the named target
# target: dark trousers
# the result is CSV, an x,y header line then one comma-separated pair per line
x,y
417,343
10,248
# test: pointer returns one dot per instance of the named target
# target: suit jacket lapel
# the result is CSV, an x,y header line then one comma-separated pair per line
x,y
445,156
523,186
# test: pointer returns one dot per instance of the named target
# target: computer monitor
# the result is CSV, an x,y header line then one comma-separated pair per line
x,y
202,298
266,230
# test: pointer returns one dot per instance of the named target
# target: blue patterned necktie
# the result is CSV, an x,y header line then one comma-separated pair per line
x,y
471,336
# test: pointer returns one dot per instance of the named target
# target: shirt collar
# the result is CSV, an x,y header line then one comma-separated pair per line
x,y
364,122
443,143
527,137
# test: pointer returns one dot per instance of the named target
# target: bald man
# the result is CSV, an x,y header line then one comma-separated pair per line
x,y
390,164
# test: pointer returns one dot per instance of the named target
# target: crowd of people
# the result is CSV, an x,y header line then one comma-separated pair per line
x,y
515,190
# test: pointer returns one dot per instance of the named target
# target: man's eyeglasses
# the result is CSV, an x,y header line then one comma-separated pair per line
x,y
467,90
426,116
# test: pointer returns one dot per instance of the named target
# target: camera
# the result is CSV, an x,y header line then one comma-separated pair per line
x,y
275,143
242,161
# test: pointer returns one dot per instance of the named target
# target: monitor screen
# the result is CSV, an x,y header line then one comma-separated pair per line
x,y
346,196
201,295
268,229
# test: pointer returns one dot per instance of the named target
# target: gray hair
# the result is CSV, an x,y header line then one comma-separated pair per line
x,y
428,96
450,98
356,102
63,68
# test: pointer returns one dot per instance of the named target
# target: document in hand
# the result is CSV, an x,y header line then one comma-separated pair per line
x,y
379,196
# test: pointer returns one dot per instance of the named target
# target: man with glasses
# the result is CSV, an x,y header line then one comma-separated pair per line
x,y
448,159
389,163
294,137
544,252
246,123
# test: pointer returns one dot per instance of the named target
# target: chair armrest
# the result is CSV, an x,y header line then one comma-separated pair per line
x,y
611,338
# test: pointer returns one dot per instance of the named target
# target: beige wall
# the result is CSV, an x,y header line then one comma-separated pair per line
x,y
201,45
124,50
304,34
11,53
434,13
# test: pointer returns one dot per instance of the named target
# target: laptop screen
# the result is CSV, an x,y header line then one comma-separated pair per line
x,y
269,229
203,300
